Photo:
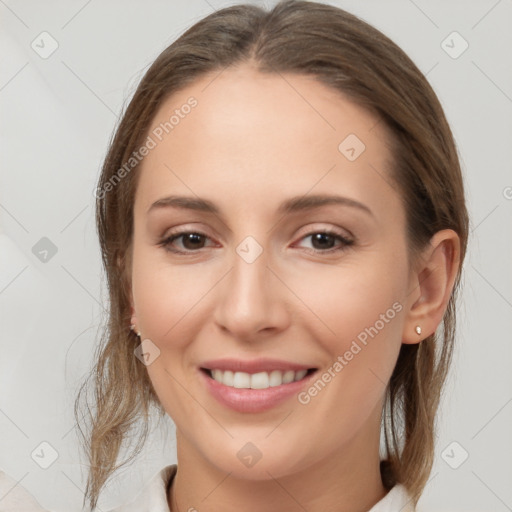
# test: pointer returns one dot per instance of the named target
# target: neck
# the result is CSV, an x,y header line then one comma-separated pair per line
x,y
348,480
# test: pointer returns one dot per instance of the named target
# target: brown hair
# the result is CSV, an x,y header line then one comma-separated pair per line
x,y
352,57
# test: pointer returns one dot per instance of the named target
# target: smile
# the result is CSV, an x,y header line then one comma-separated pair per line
x,y
254,386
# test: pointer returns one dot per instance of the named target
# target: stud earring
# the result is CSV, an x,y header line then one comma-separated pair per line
x,y
418,329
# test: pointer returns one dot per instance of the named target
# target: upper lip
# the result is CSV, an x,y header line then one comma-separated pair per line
x,y
253,365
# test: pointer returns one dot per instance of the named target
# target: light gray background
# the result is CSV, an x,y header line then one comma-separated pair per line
x,y
57,115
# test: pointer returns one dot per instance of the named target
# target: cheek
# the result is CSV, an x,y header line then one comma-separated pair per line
x,y
355,314
357,321
165,297
165,294
341,302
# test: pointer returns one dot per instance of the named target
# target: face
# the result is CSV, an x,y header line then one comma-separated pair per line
x,y
253,286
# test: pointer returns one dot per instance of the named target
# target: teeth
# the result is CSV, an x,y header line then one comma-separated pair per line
x,y
261,380
228,377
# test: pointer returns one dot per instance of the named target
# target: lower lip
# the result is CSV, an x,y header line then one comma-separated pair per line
x,y
253,400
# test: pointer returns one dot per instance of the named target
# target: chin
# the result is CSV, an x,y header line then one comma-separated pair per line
x,y
247,460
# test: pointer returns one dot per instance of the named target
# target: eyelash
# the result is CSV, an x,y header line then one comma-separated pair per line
x,y
346,242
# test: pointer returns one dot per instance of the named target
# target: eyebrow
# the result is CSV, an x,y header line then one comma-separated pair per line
x,y
291,205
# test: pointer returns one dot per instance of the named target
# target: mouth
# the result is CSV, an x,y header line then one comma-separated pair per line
x,y
259,380
256,392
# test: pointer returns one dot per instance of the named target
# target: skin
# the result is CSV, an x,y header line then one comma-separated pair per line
x,y
253,141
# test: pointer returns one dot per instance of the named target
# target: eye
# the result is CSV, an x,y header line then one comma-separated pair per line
x,y
191,241
325,239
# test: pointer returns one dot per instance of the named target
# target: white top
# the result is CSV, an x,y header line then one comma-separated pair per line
x,y
153,497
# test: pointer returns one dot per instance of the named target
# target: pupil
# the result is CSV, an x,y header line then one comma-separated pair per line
x,y
194,238
319,237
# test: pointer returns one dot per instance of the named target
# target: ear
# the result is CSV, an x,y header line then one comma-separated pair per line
x,y
133,319
124,264
430,286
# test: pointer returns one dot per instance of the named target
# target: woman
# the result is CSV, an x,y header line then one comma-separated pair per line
x,y
252,141
235,269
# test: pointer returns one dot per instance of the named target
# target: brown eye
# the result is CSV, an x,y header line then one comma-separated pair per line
x,y
191,241
325,241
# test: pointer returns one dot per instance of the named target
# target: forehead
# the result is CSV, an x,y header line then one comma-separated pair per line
x,y
262,136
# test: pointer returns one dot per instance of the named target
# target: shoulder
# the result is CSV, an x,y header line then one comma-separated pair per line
x,y
397,499
15,498
153,496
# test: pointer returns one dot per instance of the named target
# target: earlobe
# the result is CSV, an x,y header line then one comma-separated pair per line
x,y
432,286
133,322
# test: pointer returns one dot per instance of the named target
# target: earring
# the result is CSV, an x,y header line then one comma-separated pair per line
x,y
418,329
132,327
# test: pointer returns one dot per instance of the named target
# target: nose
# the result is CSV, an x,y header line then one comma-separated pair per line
x,y
252,301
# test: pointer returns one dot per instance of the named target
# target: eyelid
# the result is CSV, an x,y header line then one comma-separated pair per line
x,y
318,227
184,228
322,227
